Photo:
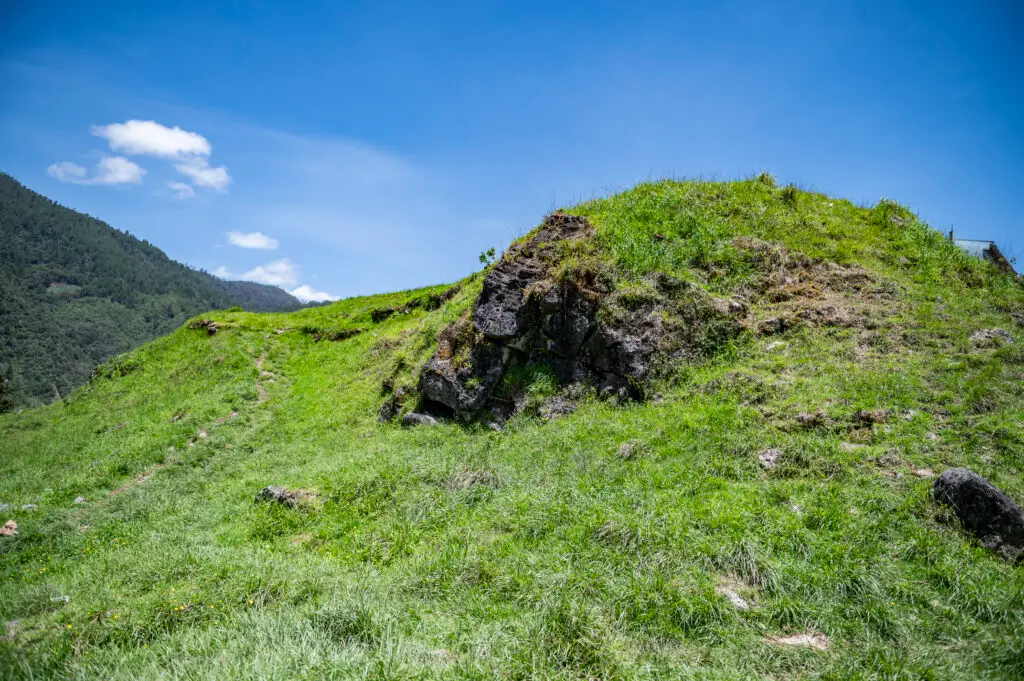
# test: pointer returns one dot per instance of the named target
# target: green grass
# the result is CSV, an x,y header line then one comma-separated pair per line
x,y
542,551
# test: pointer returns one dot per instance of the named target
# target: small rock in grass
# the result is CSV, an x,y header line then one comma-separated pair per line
x,y
933,437
815,641
292,498
769,457
29,507
1019,318
867,417
990,338
733,597
808,420
985,510
4,507
775,325
776,345
79,500
417,419
556,407
9,529
924,472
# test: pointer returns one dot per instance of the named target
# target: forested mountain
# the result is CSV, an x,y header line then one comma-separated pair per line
x,y
75,291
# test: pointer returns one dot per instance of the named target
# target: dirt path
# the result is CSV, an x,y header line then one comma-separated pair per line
x,y
172,455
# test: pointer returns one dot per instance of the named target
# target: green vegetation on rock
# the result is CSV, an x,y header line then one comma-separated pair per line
x,y
771,492
74,292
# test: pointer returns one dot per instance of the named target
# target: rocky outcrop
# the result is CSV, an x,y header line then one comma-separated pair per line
x,y
985,510
548,301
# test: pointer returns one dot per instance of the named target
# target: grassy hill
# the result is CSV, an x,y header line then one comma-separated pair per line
x,y
74,292
775,485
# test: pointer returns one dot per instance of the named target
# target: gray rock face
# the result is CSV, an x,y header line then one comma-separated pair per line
x,y
413,419
985,510
575,324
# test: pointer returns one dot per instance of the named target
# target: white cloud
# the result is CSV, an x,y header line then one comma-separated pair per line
x,y
221,272
308,294
152,139
189,151
277,273
118,170
202,175
252,240
181,190
110,170
66,171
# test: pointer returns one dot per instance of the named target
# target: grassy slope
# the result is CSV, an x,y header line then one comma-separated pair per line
x,y
578,562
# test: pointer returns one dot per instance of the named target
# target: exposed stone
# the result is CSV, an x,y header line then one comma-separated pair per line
x,y
815,641
556,407
530,311
990,338
209,325
416,419
738,601
867,417
773,326
463,371
29,507
985,510
292,498
1018,317
392,406
769,457
811,420
79,500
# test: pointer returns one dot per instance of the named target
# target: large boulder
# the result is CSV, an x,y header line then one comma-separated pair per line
x,y
985,510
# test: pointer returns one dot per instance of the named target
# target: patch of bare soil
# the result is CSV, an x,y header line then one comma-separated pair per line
x,y
803,291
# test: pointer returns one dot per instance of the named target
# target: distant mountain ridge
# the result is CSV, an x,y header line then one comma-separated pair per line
x,y
74,291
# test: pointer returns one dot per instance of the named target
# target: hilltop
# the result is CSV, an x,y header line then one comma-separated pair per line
x,y
75,292
686,431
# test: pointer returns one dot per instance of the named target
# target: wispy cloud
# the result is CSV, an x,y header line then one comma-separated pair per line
x,y
277,273
110,170
307,293
66,171
252,240
202,175
181,190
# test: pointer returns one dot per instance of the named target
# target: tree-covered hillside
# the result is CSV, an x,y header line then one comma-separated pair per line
x,y
74,292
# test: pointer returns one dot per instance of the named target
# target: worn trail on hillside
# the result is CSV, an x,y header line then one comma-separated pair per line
x,y
172,457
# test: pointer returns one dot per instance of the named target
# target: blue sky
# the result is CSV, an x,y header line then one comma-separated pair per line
x,y
375,146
